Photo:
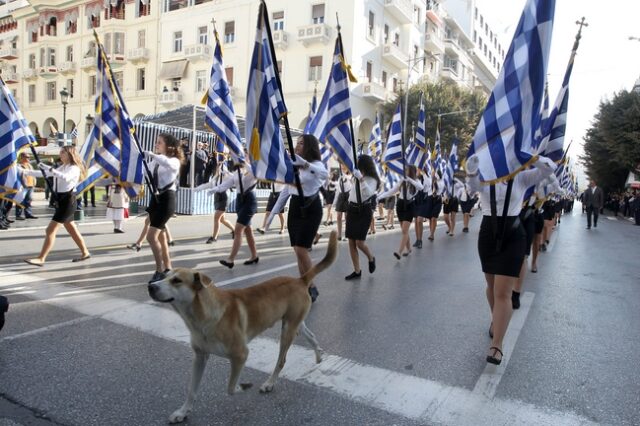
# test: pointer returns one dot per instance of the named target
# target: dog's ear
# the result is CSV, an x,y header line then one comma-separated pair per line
x,y
200,281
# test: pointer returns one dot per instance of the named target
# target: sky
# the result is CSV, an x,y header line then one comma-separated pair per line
x,y
607,61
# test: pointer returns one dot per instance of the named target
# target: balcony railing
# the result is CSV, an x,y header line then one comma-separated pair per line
x,y
8,53
139,54
30,73
88,63
452,45
170,98
280,39
433,43
394,55
449,73
314,33
402,10
67,67
198,52
48,71
116,60
374,92
11,77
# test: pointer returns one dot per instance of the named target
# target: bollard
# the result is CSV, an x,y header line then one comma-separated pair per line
x,y
133,207
78,216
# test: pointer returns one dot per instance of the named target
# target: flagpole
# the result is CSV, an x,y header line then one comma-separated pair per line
x,y
147,176
285,118
353,143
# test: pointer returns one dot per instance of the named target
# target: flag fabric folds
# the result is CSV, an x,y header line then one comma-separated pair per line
x,y
451,167
394,158
219,113
265,107
330,124
375,140
14,135
419,152
504,141
313,107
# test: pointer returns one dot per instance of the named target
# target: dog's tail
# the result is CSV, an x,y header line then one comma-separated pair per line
x,y
329,258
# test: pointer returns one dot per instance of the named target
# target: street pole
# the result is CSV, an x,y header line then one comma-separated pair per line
x,y
64,98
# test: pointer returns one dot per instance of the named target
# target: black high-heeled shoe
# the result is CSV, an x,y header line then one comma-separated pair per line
x,y
251,261
227,264
491,359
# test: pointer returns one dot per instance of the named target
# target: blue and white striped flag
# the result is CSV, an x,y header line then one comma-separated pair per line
x,y
436,155
14,135
219,113
312,112
265,107
116,151
74,133
419,153
375,140
393,157
504,140
330,124
451,167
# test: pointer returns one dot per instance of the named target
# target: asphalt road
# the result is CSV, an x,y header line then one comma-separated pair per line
x,y
84,344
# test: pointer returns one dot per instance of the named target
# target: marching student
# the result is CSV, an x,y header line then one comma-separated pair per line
x,y
406,189
246,208
390,207
303,227
329,195
528,224
421,209
342,199
117,205
276,189
65,179
220,201
165,167
360,215
435,192
466,203
137,246
451,208
502,242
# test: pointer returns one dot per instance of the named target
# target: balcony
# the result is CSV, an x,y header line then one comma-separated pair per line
x,y
402,10
67,67
10,78
89,63
449,73
48,71
198,52
374,92
433,17
392,54
433,43
280,39
314,33
116,60
139,54
171,98
452,48
8,53
30,73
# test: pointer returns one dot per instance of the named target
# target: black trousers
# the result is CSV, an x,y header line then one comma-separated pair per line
x,y
595,212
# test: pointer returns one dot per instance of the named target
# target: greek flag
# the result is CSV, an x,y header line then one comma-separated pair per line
x,y
393,158
419,151
219,113
115,151
14,135
451,167
504,139
265,107
313,107
555,127
375,140
330,124
437,155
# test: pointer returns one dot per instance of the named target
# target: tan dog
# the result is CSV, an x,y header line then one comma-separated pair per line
x,y
223,322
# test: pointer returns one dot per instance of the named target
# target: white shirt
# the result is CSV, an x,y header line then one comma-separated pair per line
x,y
413,186
521,183
232,181
167,170
368,186
311,179
65,177
344,183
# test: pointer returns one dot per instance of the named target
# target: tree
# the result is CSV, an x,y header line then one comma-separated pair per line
x,y
440,98
612,144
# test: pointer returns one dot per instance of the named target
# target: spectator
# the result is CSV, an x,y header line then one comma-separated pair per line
x,y
29,183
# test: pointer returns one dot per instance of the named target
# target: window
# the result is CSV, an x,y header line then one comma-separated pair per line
x,y
229,32
384,79
171,5
396,39
118,45
94,20
278,21
32,93
490,56
175,84
229,73
480,42
475,36
416,50
51,91
119,76
51,28
279,63
203,35
317,13
369,70
115,11
142,38
475,14
395,85
93,85
386,34
144,8
372,23
416,14
33,36
451,63
51,57
70,87
140,79
69,56
315,68
32,61
481,21
201,81
71,27
177,42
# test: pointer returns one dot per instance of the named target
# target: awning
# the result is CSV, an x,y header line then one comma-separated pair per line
x,y
173,69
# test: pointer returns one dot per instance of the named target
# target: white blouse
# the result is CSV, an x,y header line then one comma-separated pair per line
x,y
232,180
344,183
164,170
413,187
65,177
311,179
368,186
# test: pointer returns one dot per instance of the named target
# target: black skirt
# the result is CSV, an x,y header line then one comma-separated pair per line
x,y
342,204
508,260
302,230
161,210
467,206
273,198
404,210
220,200
422,205
451,206
549,210
390,203
247,206
329,197
538,222
528,223
436,207
358,221
65,203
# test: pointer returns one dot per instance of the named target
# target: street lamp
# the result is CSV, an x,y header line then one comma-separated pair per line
x,y
64,97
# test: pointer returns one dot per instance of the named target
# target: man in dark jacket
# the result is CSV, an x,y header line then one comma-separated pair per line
x,y
593,200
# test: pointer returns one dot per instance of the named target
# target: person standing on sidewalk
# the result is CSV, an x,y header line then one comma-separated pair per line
x,y
593,200
29,183
65,179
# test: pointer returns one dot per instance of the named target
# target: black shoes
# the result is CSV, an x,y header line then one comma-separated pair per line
x,y
372,265
157,276
19,218
465,229
252,261
227,264
353,275
515,300
31,217
418,244
260,230
491,359
134,246
211,240
396,255
314,293
118,231
171,243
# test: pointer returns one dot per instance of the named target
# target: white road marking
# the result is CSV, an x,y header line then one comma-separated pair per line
x,y
408,396
492,374
47,328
